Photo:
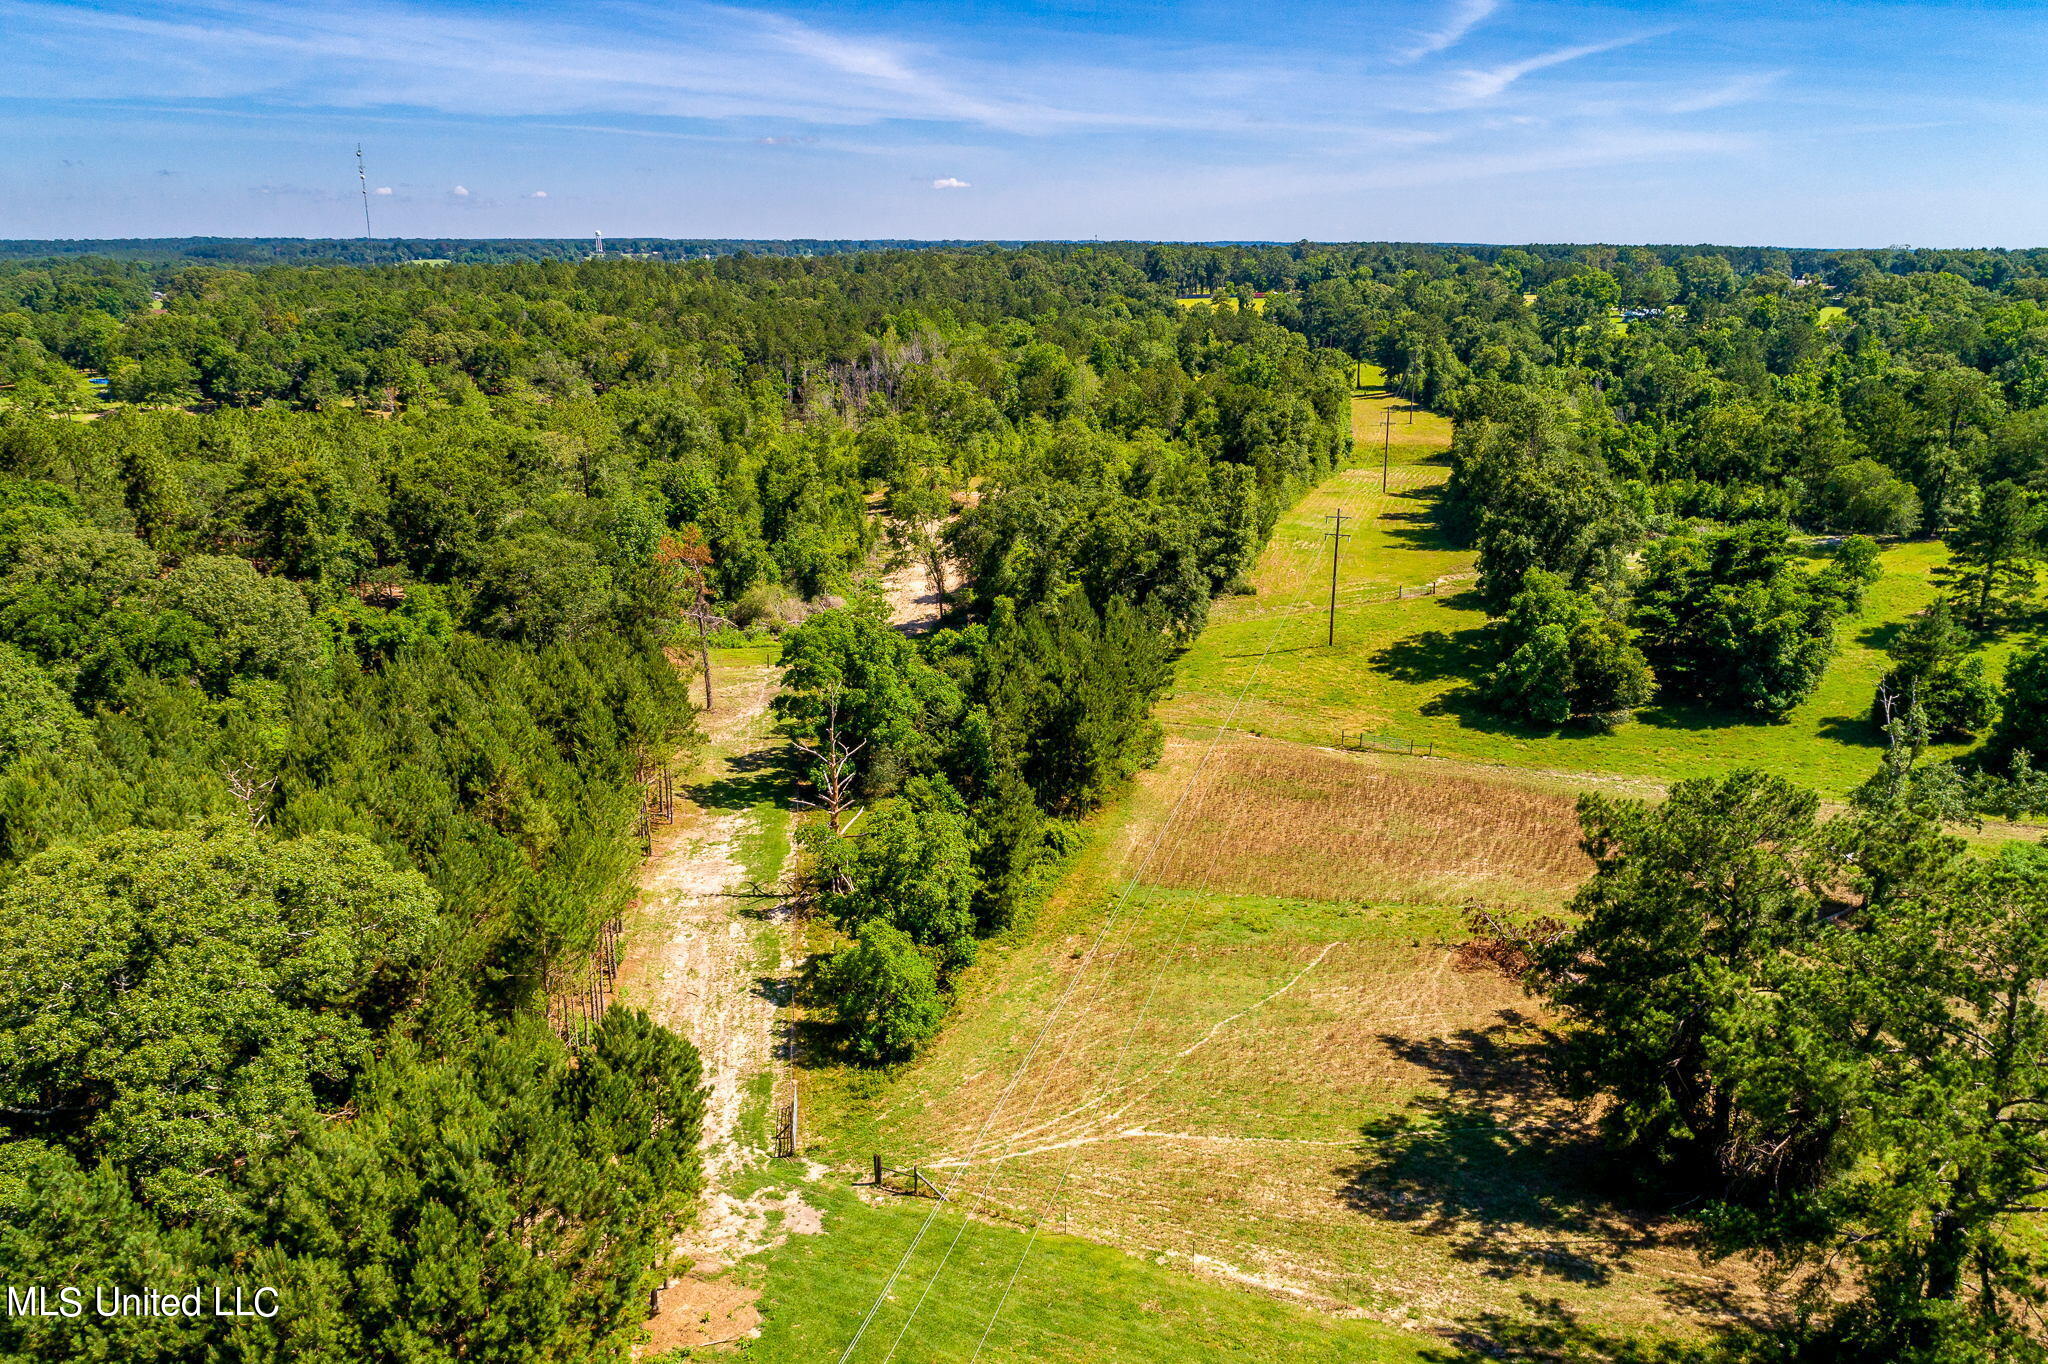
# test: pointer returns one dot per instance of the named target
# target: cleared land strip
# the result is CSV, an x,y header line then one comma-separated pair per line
x,y
699,945
971,1182
1356,1126
960,1189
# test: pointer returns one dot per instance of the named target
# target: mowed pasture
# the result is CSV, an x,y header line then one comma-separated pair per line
x,y
1403,668
1239,1043
1225,1063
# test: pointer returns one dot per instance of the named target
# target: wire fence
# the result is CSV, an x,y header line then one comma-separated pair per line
x,y
1381,743
579,995
1371,596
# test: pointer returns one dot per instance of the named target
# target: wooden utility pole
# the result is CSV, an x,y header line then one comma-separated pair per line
x,y
1386,445
1336,536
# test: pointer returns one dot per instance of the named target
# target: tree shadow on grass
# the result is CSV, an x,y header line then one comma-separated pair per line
x,y
1437,656
1881,635
1545,1331
1498,1163
758,778
1699,715
1859,730
1413,523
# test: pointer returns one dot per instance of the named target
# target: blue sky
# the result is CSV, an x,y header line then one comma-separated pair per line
x,y
1843,124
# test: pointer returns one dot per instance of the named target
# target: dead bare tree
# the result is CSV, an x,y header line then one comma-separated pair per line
x,y
834,772
252,791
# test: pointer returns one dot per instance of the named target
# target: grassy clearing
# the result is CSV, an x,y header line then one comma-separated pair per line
x,y
1236,1044
1264,1079
1074,1301
1303,822
1402,669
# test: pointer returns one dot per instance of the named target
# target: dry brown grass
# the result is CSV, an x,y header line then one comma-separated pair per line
x,y
1272,818
1274,1071
1241,1038
1355,1125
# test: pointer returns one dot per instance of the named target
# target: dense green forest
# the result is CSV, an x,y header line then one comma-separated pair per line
x,y
334,646
334,609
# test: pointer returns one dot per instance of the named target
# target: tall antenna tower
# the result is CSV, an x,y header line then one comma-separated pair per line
x,y
363,180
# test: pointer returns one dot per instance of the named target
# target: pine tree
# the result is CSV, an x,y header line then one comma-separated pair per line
x,y
1994,555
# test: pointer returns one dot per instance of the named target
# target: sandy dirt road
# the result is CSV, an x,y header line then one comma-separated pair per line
x,y
704,955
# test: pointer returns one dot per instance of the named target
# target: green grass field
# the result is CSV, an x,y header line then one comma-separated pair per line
x,y
1402,669
1074,1302
1233,1071
1248,1125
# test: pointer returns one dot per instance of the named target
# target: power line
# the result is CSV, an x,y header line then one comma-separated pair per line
x,y
1117,909
1127,1050
1094,950
1116,912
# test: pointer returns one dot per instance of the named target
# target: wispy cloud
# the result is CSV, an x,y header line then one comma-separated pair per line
x,y
1461,17
753,116
1316,196
1481,84
700,61
1737,90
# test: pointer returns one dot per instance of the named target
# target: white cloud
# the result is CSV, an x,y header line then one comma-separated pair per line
x,y
704,61
950,182
460,191
1479,85
1739,90
538,194
383,190
1285,190
1464,16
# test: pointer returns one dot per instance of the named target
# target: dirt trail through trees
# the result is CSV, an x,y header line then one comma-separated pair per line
x,y
913,597
704,955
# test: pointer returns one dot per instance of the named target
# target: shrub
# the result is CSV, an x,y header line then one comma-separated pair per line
x,y
1563,660
885,994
